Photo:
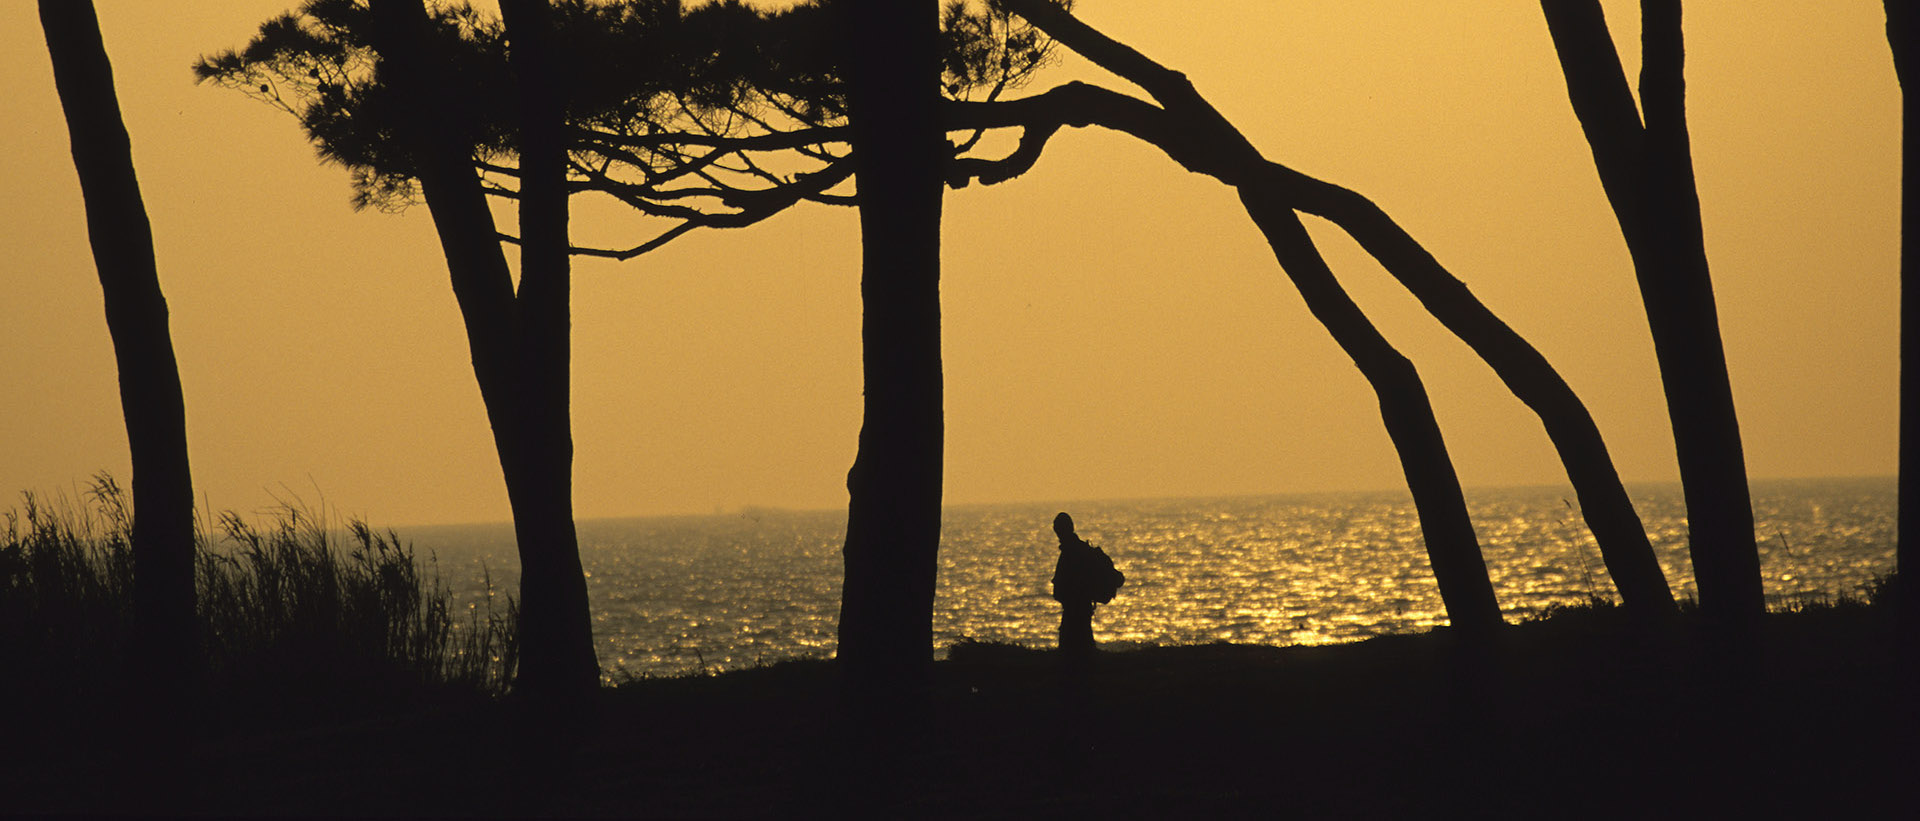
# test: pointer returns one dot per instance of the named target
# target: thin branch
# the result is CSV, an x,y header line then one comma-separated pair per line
x,y
762,204
774,141
607,253
755,205
495,168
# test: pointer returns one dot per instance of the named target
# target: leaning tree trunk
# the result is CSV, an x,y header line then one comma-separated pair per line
x,y
1647,173
894,487
1604,503
150,397
519,352
1442,507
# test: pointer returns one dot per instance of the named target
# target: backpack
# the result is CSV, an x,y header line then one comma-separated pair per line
x,y
1105,578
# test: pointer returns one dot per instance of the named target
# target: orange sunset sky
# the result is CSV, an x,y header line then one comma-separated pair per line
x,y
1114,326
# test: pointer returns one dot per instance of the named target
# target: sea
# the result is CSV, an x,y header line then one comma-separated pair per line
x,y
677,595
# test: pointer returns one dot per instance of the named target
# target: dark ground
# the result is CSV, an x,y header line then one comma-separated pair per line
x,y
1574,717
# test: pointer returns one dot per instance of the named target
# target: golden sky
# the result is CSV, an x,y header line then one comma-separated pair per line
x,y
1114,326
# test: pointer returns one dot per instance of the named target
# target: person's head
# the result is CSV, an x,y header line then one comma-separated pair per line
x,y
1063,526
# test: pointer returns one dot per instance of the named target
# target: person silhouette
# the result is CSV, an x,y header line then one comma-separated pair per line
x,y
1083,578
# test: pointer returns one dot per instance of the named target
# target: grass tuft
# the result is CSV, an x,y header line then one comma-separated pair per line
x,y
296,613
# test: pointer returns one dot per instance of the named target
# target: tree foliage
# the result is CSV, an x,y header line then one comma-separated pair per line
x,y
715,114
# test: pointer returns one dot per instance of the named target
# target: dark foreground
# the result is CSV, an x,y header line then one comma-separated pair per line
x,y
1574,717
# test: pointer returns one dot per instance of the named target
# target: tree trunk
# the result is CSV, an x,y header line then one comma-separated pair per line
x,y
1903,35
1647,173
553,585
1451,544
519,345
894,487
166,647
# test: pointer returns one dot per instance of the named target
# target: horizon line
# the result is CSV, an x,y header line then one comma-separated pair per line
x,y
751,509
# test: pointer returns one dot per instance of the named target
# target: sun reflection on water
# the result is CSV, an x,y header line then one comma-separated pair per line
x,y
674,595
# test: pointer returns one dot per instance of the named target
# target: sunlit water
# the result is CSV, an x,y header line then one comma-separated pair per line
x,y
672,595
